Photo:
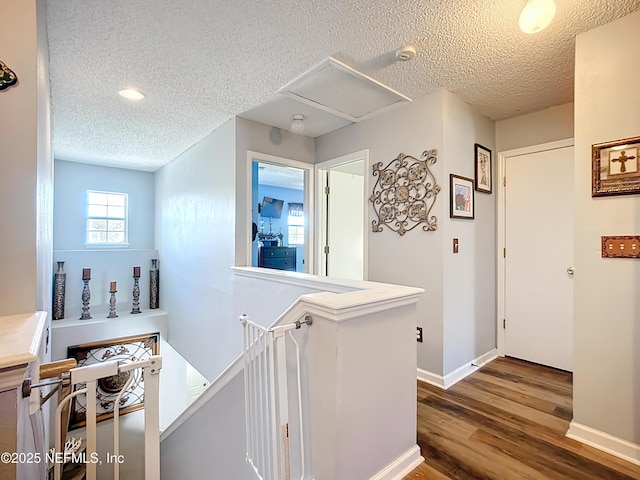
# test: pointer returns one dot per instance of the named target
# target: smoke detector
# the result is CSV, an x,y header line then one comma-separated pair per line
x,y
406,53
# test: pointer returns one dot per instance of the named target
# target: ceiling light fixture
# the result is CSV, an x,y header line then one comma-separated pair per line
x,y
297,126
132,94
537,15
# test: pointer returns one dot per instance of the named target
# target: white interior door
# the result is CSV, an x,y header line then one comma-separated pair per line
x,y
539,249
345,219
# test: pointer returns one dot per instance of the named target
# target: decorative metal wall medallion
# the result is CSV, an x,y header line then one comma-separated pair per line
x,y
128,349
7,77
405,193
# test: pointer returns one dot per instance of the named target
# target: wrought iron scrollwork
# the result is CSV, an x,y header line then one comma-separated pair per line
x,y
405,193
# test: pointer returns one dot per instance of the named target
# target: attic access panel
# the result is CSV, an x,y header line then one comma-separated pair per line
x,y
337,88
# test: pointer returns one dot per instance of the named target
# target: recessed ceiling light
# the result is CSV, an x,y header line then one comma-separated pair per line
x,y
132,94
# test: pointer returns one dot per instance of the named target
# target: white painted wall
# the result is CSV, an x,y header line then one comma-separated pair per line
x,y
106,266
469,278
550,125
606,301
200,236
25,170
44,208
72,180
457,310
195,235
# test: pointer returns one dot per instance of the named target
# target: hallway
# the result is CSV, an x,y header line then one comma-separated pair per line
x,y
507,421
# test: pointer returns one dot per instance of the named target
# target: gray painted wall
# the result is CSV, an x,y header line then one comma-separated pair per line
x,y
261,138
469,277
457,310
606,301
416,258
550,125
212,442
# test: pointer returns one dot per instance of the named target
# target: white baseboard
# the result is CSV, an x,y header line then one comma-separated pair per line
x,y
619,447
431,378
401,466
459,373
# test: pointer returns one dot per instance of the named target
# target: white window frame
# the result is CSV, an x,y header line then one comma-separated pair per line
x,y
107,244
297,222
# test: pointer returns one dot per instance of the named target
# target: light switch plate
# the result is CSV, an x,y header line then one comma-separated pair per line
x,y
621,246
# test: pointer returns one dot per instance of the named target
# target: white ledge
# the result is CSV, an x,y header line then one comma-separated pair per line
x,y
20,337
368,291
125,316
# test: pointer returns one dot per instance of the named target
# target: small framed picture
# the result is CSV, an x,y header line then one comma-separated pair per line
x,y
483,168
462,201
615,167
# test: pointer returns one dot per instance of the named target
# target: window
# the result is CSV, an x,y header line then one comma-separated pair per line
x,y
106,218
295,234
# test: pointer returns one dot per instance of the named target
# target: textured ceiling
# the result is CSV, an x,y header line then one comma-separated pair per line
x,y
200,62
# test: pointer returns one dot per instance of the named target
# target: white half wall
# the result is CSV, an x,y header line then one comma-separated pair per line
x,y
606,301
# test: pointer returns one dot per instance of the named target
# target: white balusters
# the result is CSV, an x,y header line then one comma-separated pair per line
x,y
90,375
267,399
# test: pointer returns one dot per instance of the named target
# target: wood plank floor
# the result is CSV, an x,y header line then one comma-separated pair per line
x,y
507,421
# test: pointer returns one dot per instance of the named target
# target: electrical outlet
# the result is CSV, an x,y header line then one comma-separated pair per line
x,y
419,334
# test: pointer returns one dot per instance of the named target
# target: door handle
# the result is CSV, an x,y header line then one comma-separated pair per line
x,y
571,270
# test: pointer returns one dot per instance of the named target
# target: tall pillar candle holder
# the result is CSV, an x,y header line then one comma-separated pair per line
x,y
154,298
136,290
112,301
59,287
86,294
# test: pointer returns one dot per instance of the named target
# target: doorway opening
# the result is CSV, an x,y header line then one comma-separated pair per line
x,y
342,213
280,200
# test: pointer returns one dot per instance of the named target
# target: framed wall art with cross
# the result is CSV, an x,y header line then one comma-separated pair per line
x,y
616,168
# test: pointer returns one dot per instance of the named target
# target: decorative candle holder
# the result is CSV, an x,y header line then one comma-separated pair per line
x,y
86,296
59,287
112,304
136,294
154,300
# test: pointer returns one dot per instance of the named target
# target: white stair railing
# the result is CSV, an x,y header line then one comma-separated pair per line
x,y
266,399
90,375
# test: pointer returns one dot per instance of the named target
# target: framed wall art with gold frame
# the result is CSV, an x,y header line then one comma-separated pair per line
x,y
615,167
